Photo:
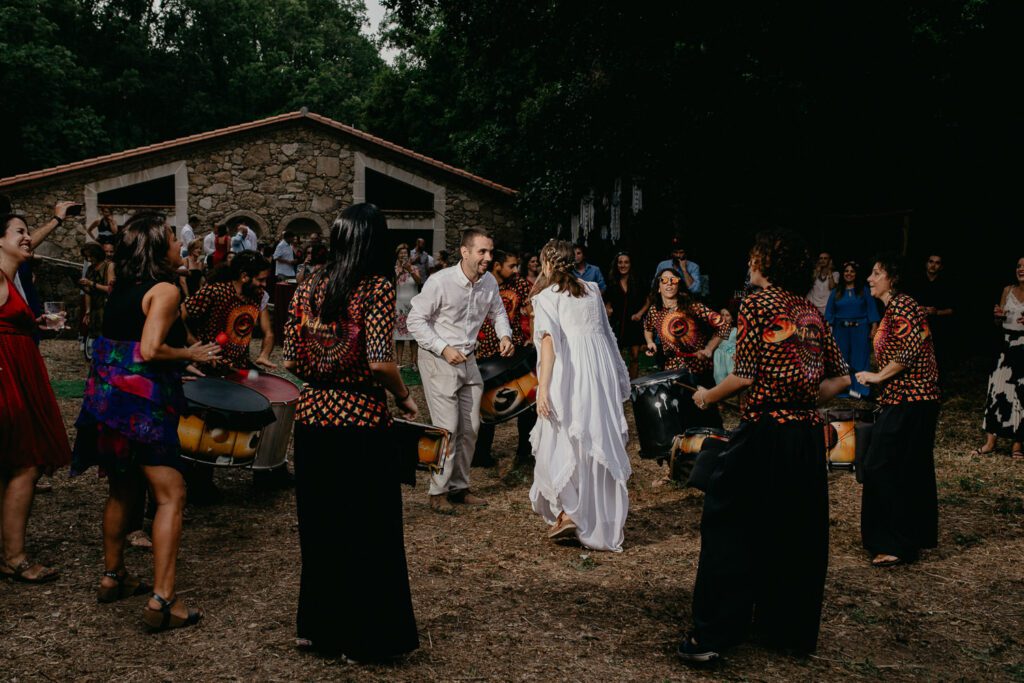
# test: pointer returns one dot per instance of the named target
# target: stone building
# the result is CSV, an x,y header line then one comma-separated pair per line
x,y
293,172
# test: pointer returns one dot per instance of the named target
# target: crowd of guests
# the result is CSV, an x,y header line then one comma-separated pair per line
x,y
801,334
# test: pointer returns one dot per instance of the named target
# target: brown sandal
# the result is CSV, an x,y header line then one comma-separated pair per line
x,y
127,587
47,574
163,619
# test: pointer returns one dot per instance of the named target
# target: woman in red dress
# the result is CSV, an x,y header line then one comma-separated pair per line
x,y
220,245
32,435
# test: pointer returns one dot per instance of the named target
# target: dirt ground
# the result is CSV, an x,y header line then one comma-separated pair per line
x,y
496,601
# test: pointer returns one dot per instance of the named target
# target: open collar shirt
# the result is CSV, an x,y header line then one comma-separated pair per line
x,y
451,308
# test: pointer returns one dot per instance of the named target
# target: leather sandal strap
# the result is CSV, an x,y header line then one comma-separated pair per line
x,y
115,576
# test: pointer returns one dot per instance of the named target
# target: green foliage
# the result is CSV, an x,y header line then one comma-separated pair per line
x,y
86,77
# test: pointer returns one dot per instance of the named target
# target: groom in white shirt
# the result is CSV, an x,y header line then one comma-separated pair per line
x,y
445,319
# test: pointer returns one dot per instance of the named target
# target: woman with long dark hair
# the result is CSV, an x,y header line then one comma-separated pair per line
x,y
579,442
686,330
764,528
128,425
853,315
899,512
1004,407
529,267
626,302
32,435
354,598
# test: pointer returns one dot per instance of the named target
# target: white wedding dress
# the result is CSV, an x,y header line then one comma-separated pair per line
x,y
582,466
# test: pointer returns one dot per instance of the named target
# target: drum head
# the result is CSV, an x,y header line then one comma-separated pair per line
x,y
659,377
226,403
707,431
496,370
275,389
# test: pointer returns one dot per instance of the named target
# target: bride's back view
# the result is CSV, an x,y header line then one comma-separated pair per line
x,y
579,443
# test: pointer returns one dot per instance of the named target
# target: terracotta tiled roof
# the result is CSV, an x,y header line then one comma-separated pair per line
x,y
243,127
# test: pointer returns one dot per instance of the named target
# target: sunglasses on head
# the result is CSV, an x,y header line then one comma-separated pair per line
x,y
669,280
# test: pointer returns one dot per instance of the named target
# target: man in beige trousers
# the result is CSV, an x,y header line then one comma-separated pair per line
x,y
445,320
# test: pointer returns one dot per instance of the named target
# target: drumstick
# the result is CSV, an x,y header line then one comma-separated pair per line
x,y
694,390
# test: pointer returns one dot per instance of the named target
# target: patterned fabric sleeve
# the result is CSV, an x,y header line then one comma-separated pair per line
x,y
649,323
379,321
832,358
908,333
291,325
713,319
198,306
748,342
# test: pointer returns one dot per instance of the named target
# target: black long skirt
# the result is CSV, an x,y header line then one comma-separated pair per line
x,y
354,597
764,539
899,512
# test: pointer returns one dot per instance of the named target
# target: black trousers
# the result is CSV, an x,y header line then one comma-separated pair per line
x,y
485,438
354,595
764,539
899,511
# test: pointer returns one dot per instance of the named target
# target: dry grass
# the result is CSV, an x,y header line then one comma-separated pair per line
x,y
495,601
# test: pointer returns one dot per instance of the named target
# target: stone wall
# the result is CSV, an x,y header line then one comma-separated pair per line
x,y
268,176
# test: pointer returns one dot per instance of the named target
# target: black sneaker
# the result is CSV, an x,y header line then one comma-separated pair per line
x,y
692,653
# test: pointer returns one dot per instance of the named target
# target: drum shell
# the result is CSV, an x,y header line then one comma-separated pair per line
x,y
216,445
659,410
430,443
687,446
510,386
852,428
283,396
273,449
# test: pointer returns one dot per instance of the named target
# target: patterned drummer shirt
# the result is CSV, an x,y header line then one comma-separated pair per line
x,y
685,332
218,308
334,357
904,337
515,294
787,349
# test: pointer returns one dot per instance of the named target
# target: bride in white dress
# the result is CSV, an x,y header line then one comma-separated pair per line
x,y
579,482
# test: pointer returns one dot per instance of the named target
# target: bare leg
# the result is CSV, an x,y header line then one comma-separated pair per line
x,y
122,502
634,361
16,493
990,445
413,353
168,488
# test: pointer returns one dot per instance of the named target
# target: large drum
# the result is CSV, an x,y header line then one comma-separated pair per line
x,y
847,437
430,444
223,422
687,446
283,396
510,385
659,407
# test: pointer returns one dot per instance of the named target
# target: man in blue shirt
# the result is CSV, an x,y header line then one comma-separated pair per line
x,y
586,271
689,269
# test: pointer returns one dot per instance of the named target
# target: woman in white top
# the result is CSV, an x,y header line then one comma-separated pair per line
x,y
1004,408
407,285
579,482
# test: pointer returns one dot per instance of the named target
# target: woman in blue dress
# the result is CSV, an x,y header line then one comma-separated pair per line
x,y
853,315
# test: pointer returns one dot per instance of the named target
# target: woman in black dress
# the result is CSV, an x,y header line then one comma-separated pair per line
x,y
354,598
128,425
899,508
626,302
764,528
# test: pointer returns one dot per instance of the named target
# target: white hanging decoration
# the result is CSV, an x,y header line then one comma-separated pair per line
x,y
587,213
574,228
638,198
615,229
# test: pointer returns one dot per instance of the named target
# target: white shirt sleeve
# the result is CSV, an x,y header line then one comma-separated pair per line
x,y
425,306
279,250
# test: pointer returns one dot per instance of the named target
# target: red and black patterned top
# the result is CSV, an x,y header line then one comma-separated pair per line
x,y
218,308
904,337
787,349
515,294
334,358
683,333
